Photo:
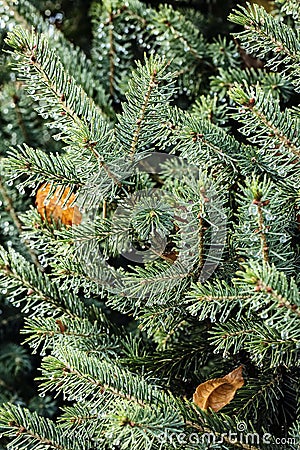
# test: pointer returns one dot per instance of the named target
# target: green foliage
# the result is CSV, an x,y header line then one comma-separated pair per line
x,y
73,59
289,7
183,155
14,360
22,280
48,83
117,36
148,97
32,430
264,35
257,209
270,82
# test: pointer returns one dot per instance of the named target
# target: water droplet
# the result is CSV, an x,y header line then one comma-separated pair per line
x,y
282,172
252,210
284,334
270,217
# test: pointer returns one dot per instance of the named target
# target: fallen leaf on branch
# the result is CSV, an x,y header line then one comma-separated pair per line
x,y
218,392
53,211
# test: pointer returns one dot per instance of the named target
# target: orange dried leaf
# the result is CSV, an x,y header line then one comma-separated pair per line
x,y
53,211
218,392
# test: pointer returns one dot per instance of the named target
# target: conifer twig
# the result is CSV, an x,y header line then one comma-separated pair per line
x,y
12,212
140,119
263,238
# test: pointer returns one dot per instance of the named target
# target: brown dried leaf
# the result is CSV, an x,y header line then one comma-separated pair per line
x,y
267,4
53,210
218,392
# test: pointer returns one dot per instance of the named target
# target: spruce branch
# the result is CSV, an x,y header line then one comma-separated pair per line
x,y
264,34
113,55
141,425
215,299
289,7
26,428
255,399
24,283
149,94
255,236
126,341
221,424
149,282
43,333
177,37
73,112
21,124
168,20
79,415
266,340
166,318
274,82
77,276
73,59
95,379
41,167
271,284
263,121
200,141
